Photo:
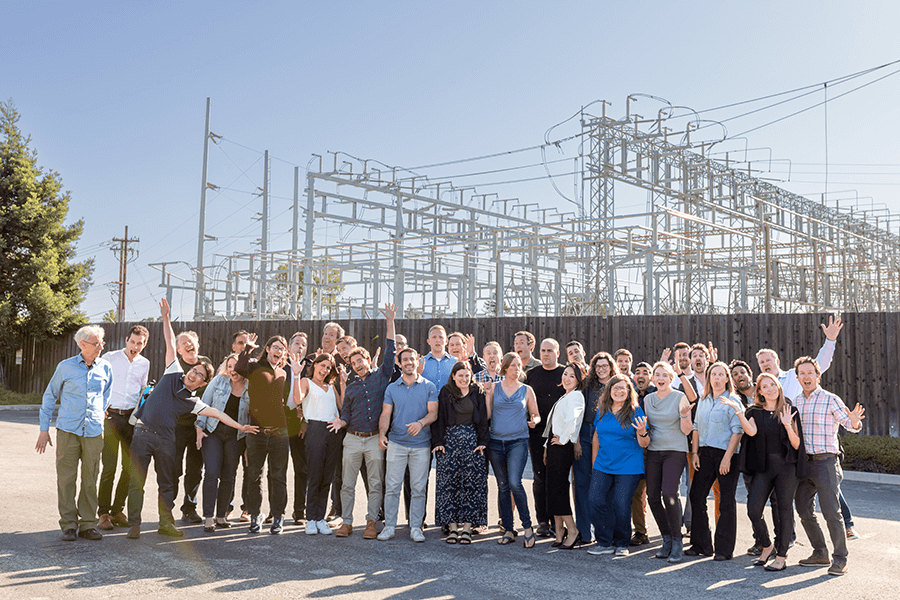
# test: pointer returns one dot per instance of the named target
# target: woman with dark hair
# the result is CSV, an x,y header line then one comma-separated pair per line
x,y
773,452
512,410
459,437
321,401
601,369
227,392
715,443
562,431
620,435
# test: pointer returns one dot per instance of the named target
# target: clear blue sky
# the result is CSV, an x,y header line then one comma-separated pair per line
x,y
113,95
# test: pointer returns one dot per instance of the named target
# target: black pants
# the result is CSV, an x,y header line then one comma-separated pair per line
x,y
539,484
274,448
321,456
781,478
337,481
726,527
242,451
298,460
147,444
186,447
220,461
559,463
117,434
664,470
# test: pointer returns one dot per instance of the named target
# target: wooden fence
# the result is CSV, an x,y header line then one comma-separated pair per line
x,y
865,366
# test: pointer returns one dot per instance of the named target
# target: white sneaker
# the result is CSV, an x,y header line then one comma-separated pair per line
x,y
323,527
386,533
622,551
598,550
416,534
311,528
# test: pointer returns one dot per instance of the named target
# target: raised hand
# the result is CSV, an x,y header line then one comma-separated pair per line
x,y
640,423
296,363
470,345
664,357
374,360
834,327
342,370
786,416
389,311
251,341
713,357
857,415
164,308
732,404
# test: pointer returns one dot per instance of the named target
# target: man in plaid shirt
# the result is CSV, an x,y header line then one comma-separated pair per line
x,y
491,356
821,415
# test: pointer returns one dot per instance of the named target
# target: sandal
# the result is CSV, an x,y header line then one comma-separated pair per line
x,y
529,538
465,537
773,566
451,537
508,538
764,558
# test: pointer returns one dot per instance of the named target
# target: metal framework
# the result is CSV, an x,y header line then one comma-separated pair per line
x,y
712,239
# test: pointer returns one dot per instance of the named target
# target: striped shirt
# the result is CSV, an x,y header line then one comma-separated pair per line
x,y
821,414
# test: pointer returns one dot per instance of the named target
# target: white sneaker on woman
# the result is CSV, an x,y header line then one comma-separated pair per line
x,y
311,528
323,527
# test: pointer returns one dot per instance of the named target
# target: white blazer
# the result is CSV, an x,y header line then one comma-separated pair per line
x,y
565,418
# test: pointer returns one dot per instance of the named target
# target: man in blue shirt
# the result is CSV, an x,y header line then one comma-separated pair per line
x,y
435,366
412,400
82,385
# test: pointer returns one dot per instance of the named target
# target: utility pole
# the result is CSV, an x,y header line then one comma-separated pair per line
x,y
200,301
125,255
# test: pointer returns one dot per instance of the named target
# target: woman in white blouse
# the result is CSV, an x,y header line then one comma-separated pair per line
x,y
560,450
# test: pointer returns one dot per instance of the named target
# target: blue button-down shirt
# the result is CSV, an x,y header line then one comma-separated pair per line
x,y
437,371
364,398
716,422
83,393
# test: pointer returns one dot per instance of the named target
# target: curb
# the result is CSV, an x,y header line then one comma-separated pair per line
x,y
20,407
882,478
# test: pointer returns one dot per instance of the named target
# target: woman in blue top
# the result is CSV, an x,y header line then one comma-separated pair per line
x,y
226,392
620,434
717,434
512,409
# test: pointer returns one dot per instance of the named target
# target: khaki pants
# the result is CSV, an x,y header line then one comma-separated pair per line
x,y
70,449
357,449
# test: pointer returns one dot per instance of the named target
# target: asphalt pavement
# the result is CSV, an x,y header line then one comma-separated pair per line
x,y
35,563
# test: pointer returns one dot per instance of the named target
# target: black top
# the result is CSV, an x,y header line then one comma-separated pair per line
x,y
232,406
449,414
465,410
188,419
771,438
547,390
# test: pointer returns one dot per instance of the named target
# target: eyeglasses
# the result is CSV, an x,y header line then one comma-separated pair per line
x,y
99,344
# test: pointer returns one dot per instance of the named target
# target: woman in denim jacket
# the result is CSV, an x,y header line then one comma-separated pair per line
x,y
226,392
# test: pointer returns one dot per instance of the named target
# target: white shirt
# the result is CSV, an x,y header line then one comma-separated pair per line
x,y
320,405
129,379
788,379
565,418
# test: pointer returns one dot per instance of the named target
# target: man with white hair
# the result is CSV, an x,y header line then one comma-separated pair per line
x,y
82,385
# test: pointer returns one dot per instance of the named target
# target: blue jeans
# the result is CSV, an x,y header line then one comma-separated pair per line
x,y
581,490
611,498
220,461
508,459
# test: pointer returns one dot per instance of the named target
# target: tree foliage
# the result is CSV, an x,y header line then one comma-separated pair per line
x,y
40,285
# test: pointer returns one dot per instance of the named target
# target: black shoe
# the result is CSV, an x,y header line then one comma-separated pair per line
x,y
297,516
268,520
191,517
69,535
255,524
90,534
755,550
543,531
575,542
277,526
693,551
223,525
721,557
209,529
170,530
639,539
837,569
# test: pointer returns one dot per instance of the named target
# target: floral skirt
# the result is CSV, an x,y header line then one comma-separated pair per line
x,y
461,486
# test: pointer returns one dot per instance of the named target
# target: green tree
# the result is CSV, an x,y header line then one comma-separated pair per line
x,y
110,317
40,285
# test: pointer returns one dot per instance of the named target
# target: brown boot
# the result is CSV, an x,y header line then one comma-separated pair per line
x,y
370,533
344,530
119,519
105,523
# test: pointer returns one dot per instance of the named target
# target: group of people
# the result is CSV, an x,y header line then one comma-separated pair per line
x,y
604,435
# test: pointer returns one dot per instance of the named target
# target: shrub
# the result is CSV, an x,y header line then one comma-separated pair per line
x,y
871,453
10,397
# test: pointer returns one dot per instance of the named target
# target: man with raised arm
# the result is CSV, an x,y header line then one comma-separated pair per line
x,y
154,432
769,362
360,414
